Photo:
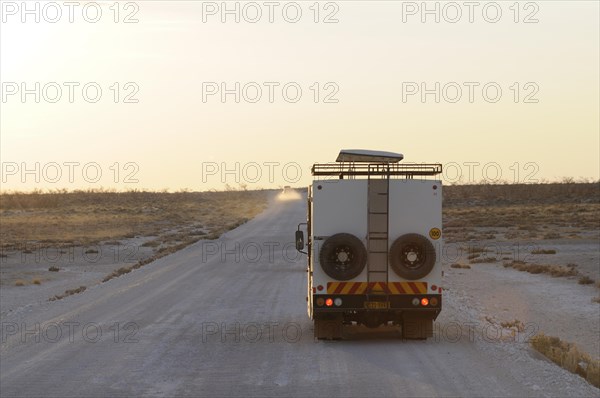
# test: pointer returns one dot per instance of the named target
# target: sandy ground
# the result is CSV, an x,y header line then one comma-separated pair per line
x,y
188,327
78,266
557,306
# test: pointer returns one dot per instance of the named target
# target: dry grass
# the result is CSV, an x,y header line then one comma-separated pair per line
x,y
477,249
552,235
516,324
554,270
460,266
36,281
67,293
118,272
542,251
585,280
525,209
522,194
113,243
482,260
58,219
596,299
19,282
164,251
568,356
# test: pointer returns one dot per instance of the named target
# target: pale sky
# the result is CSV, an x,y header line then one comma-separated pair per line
x,y
371,59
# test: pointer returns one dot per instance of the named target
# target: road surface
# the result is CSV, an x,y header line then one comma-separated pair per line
x,y
228,318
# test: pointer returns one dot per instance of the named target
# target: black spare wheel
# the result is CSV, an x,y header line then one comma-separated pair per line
x,y
412,256
343,256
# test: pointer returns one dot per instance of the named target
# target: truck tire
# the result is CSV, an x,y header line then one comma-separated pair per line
x,y
343,256
412,256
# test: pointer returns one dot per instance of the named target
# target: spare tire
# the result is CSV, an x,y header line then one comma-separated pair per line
x,y
343,256
412,256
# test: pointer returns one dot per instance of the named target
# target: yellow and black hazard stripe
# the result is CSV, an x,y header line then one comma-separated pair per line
x,y
376,287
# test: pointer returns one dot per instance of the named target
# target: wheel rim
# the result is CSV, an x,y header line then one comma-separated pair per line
x,y
413,256
342,257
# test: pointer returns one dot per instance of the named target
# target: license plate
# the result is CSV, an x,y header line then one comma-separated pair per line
x,y
377,305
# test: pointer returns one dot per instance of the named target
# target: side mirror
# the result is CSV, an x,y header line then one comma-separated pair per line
x,y
299,240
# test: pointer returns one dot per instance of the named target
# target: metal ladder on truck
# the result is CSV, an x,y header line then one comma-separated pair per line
x,y
377,232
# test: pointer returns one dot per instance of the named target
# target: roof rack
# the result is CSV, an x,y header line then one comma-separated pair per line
x,y
407,170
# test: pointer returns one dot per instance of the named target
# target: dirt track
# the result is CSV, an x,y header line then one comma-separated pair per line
x,y
216,319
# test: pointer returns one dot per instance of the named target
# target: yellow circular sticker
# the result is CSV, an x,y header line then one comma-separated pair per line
x,y
435,233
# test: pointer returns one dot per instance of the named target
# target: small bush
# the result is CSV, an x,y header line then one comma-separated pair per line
x,y
461,266
596,299
517,324
53,269
476,249
113,243
542,251
585,280
37,281
19,282
554,270
568,356
67,293
91,251
482,260
118,272
212,236
551,235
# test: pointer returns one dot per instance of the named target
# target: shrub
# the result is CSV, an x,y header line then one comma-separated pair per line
x,y
482,260
461,266
568,356
551,235
542,251
517,324
67,293
554,270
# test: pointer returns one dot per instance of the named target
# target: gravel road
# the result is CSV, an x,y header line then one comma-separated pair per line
x,y
228,318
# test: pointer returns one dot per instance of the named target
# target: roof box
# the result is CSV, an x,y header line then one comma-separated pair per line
x,y
365,155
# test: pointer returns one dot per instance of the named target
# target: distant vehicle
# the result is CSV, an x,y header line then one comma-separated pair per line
x,y
374,237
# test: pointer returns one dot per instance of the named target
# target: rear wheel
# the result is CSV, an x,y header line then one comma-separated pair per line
x,y
328,327
416,327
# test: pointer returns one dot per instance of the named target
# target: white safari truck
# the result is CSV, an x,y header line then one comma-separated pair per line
x,y
374,244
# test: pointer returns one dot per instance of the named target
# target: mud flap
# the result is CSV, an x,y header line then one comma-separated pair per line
x,y
329,328
416,327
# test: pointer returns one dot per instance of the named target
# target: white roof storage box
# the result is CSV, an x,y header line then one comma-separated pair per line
x,y
365,155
